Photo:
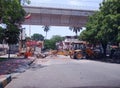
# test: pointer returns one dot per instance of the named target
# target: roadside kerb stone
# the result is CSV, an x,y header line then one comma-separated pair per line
x,y
4,80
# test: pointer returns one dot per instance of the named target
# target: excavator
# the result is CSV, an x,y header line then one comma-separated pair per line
x,y
80,51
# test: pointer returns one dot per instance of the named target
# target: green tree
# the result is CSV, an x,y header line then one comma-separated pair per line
x,y
12,14
75,29
104,25
92,28
37,37
110,10
46,29
48,44
110,23
51,43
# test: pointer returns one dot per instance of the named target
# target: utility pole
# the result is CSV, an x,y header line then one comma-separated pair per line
x,y
21,39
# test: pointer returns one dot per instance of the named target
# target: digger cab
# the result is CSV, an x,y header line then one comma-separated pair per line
x,y
78,49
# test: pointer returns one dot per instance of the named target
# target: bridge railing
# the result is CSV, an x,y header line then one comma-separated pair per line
x,y
55,5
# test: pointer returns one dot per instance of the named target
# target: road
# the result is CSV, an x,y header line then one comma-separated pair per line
x,y
63,72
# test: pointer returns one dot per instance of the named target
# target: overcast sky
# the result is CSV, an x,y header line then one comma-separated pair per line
x,y
72,4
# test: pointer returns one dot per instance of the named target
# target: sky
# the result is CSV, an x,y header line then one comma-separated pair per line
x,y
69,4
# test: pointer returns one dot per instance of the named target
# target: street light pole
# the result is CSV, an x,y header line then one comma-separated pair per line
x,y
21,40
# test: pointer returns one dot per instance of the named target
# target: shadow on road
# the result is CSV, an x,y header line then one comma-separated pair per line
x,y
108,60
36,67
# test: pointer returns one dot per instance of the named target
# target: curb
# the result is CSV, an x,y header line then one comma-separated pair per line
x,y
31,62
4,80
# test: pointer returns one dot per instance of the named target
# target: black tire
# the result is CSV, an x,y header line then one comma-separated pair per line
x,y
78,55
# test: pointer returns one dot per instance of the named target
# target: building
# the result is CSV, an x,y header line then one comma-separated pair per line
x,y
67,43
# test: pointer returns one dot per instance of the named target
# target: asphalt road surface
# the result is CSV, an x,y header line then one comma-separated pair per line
x,y
63,72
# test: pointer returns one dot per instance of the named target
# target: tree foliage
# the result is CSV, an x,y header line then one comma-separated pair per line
x,y
92,28
75,29
46,29
104,25
37,37
12,14
110,10
51,43
1,35
12,35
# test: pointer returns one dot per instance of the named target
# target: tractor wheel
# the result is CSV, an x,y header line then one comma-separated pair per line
x,y
79,56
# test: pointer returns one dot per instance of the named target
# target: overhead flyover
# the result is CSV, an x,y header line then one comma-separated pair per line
x,y
57,16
